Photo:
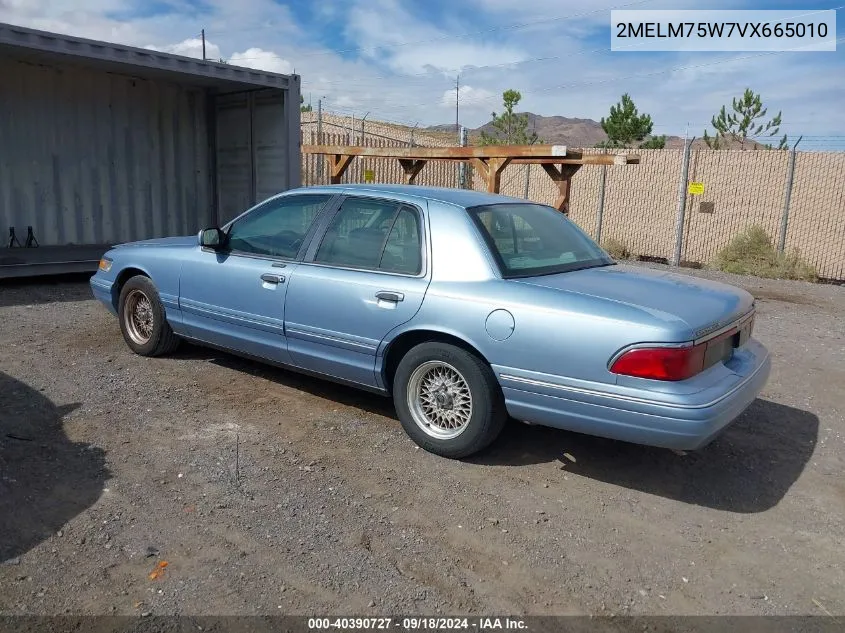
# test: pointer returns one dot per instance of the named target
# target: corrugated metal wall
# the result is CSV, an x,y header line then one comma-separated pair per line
x,y
252,150
234,163
88,157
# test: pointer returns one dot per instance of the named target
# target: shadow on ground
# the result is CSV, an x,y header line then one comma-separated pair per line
x,y
749,468
45,289
45,479
349,396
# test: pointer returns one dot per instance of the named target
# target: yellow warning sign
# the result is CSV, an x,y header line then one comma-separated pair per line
x,y
369,175
696,188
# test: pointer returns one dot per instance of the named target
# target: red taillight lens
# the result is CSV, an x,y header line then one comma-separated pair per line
x,y
661,363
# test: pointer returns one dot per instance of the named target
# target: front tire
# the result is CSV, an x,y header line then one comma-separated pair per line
x,y
448,400
142,319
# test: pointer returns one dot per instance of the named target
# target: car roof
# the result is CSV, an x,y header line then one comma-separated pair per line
x,y
459,197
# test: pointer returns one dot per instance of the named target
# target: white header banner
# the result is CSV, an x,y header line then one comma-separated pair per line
x,y
715,30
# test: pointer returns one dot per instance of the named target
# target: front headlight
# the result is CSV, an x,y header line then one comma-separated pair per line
x,y
105,264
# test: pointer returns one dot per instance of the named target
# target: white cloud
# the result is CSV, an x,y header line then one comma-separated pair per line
x,y
469,97
400,61
391,36
261,60
345,102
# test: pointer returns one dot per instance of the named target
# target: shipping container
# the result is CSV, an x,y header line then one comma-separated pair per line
x,y
102,144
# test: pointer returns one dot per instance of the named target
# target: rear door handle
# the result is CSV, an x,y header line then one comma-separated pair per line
x,y
273,279
387,295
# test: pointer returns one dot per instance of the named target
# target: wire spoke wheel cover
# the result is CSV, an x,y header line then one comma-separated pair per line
x,y
138,317
439,399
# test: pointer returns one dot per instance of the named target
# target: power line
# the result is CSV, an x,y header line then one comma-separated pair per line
x,y
821,142
466,69
651,73
480,100
495,29
430,74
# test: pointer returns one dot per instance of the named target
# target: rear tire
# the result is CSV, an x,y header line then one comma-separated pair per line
x,y
448,400
142,319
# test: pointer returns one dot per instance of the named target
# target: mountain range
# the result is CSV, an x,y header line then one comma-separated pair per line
x,y
561,130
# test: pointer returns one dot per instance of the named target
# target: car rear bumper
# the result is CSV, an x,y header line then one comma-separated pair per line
x,y
648,418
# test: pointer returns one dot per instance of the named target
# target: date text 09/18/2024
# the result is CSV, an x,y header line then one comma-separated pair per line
x,y
417,623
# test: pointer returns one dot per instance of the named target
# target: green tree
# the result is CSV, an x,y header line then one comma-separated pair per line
x,y
655,142
510,128
304,108
745,124
626,127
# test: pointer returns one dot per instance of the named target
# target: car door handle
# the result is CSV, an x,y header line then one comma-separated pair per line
x,y
273,279
387,295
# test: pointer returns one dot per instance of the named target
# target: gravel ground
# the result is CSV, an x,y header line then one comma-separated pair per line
x,y
266,492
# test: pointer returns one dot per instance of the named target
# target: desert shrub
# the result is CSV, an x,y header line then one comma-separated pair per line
x,y
616,249
752,253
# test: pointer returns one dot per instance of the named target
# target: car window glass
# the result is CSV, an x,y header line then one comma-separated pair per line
x,y
358,233
535,239
278,227
402,252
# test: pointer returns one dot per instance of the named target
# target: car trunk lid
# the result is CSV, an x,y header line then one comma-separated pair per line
x,y
705,306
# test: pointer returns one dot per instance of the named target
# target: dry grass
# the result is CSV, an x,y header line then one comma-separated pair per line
x,y
616,249
752,253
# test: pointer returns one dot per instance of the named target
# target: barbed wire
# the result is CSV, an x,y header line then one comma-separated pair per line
x,y
423,135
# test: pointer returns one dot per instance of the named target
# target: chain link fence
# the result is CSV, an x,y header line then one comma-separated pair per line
x,y
641,206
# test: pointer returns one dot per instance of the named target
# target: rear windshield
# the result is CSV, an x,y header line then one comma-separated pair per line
x,y
533,239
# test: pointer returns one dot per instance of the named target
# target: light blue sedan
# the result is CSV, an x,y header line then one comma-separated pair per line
x,y
465,307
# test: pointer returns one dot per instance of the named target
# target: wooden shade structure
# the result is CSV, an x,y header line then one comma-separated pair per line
x,y
490,161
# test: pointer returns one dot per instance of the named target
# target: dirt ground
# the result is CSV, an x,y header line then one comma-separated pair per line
x,y
266,492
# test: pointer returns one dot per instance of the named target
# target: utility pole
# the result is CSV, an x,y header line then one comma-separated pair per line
x,y
528,165
319,140
462,166
319,121
362,127
202,34
457,106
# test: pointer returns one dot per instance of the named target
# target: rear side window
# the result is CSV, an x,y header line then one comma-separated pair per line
x,y
403,251
373,235
533,239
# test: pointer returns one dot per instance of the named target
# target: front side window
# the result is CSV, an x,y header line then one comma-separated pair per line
x,y
278,227
533,239
373,234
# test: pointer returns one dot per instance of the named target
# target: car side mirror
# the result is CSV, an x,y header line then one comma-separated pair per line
x,y
212,238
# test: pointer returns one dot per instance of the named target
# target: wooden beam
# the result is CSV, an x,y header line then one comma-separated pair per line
x,y
589,159
495,167
411,168
446,153
563,179
518,154
338,163
480,166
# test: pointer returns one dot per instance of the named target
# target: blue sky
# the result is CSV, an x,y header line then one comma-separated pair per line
x,y
398,60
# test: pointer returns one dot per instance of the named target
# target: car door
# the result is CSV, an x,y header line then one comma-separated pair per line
x,y
365,275
235,297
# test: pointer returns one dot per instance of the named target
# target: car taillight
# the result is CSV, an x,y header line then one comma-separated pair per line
x,y
661,363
